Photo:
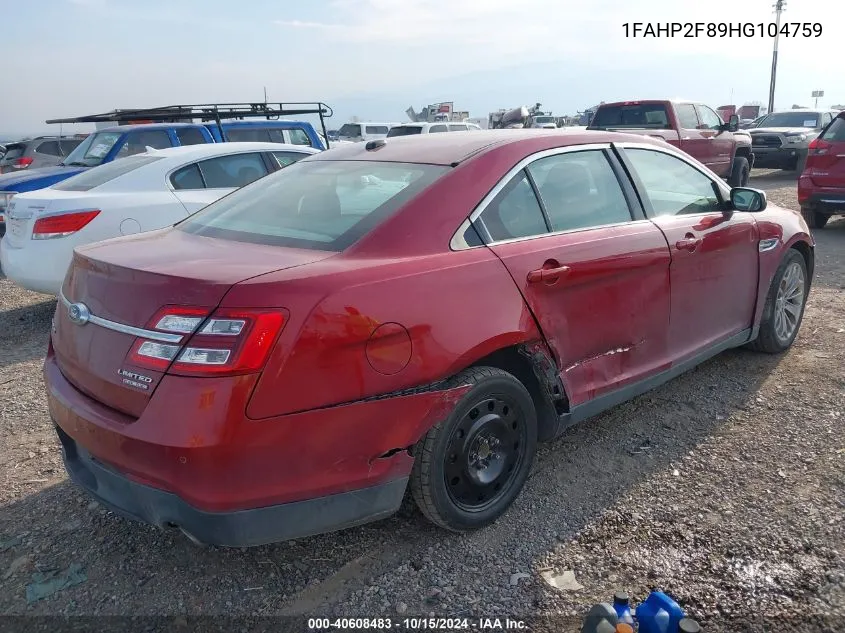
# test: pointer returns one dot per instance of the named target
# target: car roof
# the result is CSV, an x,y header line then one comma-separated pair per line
x,y
271,123
451,149
208,150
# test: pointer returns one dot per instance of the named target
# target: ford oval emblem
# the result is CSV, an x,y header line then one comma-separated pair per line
x,y
78,313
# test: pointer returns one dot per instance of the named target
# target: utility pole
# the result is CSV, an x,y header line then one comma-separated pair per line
x,y
779,7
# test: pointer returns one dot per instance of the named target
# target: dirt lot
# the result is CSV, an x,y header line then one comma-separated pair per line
x,y
725,487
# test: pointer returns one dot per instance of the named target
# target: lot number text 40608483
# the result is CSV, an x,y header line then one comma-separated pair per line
x,y
721,29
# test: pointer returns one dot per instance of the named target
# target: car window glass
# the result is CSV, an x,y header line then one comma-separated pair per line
x,y
686,116
68,145
376,129
237,170
51,148
283,159
514,212
187,177
404,130
709,118
137,142
299,137
190,136
349,130
437,128
457,128
276,135
836,131
650,115
579,190
248,135
673,186
102,174
826,118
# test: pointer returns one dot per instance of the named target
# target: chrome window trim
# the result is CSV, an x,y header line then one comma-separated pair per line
x,y
565,232
458,243
126,329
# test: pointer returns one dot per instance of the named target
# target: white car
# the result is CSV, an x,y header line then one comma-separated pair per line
x,y
410,129
131,195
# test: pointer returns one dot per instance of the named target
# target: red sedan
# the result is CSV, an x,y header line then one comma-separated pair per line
x,y
410,313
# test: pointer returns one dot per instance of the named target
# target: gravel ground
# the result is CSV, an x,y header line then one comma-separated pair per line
x,y
724,487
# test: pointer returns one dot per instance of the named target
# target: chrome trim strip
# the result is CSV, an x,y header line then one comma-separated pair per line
x,y
127,329
768,245
832,200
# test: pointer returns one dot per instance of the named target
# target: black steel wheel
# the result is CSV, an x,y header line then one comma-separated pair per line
x,y
469,468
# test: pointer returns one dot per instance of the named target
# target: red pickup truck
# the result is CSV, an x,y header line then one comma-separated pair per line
x,y
693,127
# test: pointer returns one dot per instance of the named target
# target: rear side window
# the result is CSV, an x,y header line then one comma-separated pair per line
x,y
349,129
276,135
190,136
836,132
248,135
647,115
51,148
299,137
225,172
457,128
283,159
97,176
324,205
687,117
187,177
405,130
514,212
437,128
138,142
377,129
68,145
579,190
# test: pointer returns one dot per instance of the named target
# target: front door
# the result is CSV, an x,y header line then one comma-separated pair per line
x,y
715,255
595,278
721,143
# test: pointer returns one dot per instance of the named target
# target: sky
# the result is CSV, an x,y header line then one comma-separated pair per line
x,y
373,59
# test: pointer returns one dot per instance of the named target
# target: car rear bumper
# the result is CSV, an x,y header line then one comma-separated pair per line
x,y
242,528
194,457
831,202
777,157
33,268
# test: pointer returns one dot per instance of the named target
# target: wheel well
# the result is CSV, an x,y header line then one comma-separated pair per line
x,y
743,151
532,368
807,253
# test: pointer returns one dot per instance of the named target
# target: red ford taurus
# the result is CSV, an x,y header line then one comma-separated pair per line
x,y
410,313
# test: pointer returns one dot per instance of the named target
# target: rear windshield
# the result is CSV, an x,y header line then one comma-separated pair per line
x,y
404,131
790,119
87,180
14,150
93,149
642,115
835,132
349,129
322,205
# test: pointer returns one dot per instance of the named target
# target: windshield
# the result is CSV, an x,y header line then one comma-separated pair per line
x,y
323,205
403,130
790,119
87,180
544,119
93,149
349,129
641,115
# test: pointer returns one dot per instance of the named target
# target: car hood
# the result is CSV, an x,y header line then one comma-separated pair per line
x,y
23,180
781,130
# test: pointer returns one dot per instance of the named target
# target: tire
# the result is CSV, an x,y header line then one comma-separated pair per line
x,y
740,171
771,338
814,219
496,412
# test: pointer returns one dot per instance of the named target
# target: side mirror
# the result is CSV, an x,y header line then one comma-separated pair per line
x,y
733,123
745,199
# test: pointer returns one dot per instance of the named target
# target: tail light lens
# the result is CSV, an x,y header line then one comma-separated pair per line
x,y
819,147
228,342
62,225
22,163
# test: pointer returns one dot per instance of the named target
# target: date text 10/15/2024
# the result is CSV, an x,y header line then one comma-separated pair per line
x,y
417,624
721,29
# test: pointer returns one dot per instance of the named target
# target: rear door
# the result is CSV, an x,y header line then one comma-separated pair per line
x,y
826,161
593,271
715,256
721,144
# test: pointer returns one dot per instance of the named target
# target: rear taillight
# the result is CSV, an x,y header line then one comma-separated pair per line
x,y
819,147
22,163
62,224
230,341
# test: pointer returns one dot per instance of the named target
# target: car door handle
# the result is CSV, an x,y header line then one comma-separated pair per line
x,y
547,275
689,243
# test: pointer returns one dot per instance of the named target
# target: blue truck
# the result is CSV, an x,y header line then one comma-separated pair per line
x,y
171,126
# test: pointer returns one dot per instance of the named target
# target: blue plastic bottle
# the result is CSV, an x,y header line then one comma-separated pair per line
x,y
622,606
659,614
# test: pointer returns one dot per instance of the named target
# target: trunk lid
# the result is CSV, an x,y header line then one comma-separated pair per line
x,y
26,208
127,281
